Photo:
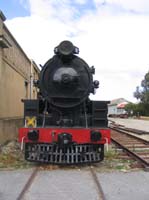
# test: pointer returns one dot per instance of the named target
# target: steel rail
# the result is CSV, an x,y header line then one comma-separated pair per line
x,y
136,131
132,136
134,155
132,130
28,184
97,183
144,163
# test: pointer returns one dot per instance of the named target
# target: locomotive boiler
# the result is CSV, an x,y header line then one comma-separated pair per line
x,y
63,126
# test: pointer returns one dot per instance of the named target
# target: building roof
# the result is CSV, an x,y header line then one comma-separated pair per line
x,y
122,105
2,16
117,101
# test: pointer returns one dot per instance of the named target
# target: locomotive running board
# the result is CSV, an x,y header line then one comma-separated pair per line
x,y
73,154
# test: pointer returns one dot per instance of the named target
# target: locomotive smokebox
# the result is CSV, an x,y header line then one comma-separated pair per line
x,y
66,80
66,77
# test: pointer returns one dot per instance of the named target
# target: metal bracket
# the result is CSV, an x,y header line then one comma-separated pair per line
x,y
22,143
107,145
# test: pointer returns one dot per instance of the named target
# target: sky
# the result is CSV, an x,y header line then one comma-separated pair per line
x,y
112,35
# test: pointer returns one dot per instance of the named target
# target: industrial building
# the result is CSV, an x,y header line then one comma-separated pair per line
x,y
17,73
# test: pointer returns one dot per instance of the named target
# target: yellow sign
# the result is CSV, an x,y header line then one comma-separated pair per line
x,y
30,122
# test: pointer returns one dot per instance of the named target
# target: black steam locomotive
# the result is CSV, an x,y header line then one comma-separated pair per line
x,y
63,126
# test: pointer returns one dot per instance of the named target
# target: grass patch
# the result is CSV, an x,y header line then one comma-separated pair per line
x,y
111,154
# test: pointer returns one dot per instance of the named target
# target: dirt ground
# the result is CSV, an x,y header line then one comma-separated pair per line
x,y
11,157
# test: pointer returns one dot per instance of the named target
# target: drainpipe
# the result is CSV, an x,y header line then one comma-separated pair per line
x,y
31,79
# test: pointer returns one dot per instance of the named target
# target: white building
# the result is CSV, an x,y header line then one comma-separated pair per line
x,y
117,107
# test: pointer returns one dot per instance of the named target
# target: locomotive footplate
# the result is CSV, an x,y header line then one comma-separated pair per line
x,y
72,154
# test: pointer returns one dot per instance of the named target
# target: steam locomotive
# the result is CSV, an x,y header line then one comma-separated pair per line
x,y
63,126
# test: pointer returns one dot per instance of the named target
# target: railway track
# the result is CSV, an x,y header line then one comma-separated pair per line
x,y
28,183
31,179
135,147
101,194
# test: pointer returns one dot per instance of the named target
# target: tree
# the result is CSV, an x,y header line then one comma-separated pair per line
x,y
133,109
137,93
142,94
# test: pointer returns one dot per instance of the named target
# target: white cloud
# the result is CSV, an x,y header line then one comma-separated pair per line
x,y
117,46
24,3
38,36
57,9
81,1
136,5
133,5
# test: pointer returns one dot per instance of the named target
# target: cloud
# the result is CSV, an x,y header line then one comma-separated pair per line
x,y
138,5
81,1
38,36
56,9
23,3
122,7
117,46
129,6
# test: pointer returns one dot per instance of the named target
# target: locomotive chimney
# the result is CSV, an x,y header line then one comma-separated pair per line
x,y
66,48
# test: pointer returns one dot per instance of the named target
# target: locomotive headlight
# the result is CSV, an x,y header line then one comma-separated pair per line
x,y
64,139
95,135
66,48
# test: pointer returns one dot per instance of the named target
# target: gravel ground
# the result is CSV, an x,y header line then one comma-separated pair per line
x,y
12,158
